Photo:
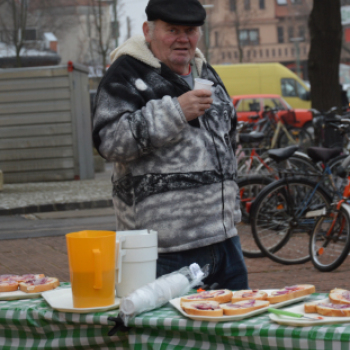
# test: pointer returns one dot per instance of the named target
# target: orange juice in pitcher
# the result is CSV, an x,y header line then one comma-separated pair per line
x,y
92,257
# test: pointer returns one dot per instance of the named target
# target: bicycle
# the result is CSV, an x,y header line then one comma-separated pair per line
x,y
283,214
330,239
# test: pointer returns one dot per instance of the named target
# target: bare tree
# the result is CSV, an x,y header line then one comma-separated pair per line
x,y
100,32
324,56
13,22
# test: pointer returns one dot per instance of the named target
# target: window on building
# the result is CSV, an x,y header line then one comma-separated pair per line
x,y
248,53
304,49
273,53
229,55
216,34
232,5
292,51
29,34
261,4
280,35
254,53
261,53
290,33
279,52
286,51
249,37
223,55
301,32
236,55
247,5
267,52
281,2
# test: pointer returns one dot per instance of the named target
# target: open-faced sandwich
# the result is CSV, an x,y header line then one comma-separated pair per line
x,y
221,296
39,285
339,296
248,295
28,283
333,310
203,308
289,293
243,306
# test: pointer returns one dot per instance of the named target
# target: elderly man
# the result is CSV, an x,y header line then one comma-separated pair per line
x,y
173,146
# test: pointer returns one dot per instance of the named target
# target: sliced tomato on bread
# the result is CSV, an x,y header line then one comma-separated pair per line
x,y
339,296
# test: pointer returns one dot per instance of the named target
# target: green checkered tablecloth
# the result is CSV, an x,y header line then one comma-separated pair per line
x,y
32,324
166,328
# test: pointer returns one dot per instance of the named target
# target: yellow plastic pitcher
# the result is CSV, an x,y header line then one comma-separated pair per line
x,y
92,258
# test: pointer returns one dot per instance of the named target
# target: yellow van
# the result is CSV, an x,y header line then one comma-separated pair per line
x,y
265,78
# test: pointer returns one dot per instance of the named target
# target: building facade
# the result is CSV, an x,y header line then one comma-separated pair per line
x,y
258,31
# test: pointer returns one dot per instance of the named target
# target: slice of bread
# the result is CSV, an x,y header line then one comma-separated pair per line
x,y
203,308
292,292
221,296
310,307
39,285
333,310
339,296
249,294
8,286
243,307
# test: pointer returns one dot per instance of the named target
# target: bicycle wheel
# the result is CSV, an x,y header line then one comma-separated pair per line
x,y
279,222
330,240
300,136
249,188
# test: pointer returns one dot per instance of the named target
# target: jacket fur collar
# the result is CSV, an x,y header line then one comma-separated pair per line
x,y
137,47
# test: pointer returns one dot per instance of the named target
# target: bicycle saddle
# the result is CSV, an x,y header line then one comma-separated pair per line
x,y
282,153
251,137
323,154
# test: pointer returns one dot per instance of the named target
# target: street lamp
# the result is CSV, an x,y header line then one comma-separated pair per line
x,y
206,33
296,42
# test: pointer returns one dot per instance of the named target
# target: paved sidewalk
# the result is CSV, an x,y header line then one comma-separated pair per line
x,y
57,196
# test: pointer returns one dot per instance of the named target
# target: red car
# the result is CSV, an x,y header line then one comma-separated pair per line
x,y
248,105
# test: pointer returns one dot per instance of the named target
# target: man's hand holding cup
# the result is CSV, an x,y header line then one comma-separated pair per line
x,y
195,102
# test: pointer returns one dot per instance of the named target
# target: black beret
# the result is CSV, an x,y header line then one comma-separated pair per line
x,y
179,12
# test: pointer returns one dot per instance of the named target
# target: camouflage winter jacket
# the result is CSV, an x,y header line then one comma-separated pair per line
x,y
170,175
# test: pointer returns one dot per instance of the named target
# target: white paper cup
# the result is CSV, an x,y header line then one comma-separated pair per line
x,y
200,84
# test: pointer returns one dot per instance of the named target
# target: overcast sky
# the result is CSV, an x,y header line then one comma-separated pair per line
x,y
135,10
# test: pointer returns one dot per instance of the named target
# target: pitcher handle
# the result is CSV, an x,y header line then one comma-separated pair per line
x,y
98,269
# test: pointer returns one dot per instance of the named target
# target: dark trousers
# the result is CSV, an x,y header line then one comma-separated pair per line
x,y
227,266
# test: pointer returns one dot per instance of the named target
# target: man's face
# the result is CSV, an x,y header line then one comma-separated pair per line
x,y
173,45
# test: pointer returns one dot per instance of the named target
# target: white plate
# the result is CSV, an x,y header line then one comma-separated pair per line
x,y
17,295
176,303
62,300
297,322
